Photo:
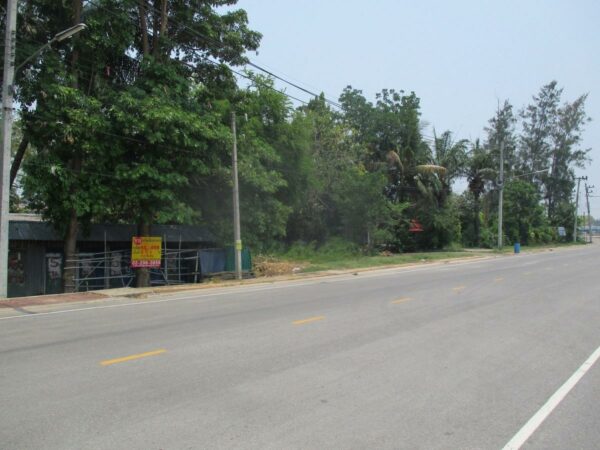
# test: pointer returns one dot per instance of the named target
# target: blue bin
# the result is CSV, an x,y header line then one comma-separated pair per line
x,y
517,247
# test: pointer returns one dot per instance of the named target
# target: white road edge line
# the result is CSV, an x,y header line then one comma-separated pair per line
x,y
538,418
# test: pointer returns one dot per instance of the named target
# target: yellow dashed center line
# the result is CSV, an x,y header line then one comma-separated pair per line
x,y
309,320
458,288
108,362
402,300
498,280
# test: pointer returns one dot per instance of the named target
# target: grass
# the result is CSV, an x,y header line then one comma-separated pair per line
x,y
340,255
361,261
525,248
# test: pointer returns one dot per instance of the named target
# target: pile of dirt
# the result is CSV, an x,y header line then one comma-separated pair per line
x,y
269,266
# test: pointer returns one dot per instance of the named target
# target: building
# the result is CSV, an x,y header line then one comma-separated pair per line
x,y
36,260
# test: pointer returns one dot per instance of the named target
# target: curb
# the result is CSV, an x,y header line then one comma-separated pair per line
x,y
142,293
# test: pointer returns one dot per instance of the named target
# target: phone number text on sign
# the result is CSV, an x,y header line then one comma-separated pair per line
x,y
146,252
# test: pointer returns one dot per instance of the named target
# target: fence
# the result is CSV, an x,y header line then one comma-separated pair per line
x,y
112,269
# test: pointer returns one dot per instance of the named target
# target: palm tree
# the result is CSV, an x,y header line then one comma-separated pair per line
x,y
448,162
479,176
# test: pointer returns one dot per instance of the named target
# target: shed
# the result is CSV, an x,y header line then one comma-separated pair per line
x,y
36,249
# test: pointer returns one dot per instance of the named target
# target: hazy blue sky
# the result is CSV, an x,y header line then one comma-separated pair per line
x,y
460,57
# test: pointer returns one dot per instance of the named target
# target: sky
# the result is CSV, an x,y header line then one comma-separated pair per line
x,y
460,57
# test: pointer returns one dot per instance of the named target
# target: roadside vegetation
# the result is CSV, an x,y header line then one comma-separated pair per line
x,y
134,126
344,255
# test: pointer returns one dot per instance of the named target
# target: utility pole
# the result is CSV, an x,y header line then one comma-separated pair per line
x,y
588,191
577,207
236,204
500,195
10,41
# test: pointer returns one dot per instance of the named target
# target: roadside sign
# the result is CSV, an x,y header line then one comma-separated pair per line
x,y
562,232
415,226
146,251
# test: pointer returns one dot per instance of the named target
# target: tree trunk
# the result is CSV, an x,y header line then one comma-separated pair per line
x,y
69,251
16,164
73,226
142,274
144,27
155,30
77,8
162,28
476,223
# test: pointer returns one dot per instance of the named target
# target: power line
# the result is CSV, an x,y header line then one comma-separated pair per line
x,y
337,105
220,44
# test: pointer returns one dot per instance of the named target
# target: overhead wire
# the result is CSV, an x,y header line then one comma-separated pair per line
x,y
220,44
236,72
221,64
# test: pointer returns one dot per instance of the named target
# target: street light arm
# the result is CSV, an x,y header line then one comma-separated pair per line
x,y
530,173
58,37
34,55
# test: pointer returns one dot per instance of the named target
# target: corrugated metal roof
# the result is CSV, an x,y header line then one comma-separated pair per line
x,y
20,230
31,231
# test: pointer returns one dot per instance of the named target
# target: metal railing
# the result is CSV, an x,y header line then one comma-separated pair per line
x,y
112,269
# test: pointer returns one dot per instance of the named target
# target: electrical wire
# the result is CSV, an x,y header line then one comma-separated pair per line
x,y
220,44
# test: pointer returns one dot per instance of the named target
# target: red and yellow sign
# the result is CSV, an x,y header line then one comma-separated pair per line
x,y
146,251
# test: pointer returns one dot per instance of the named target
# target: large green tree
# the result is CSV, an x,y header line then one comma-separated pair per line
x,y
550,140
142,76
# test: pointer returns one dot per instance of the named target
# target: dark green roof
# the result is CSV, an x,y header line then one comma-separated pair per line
x,y
43,231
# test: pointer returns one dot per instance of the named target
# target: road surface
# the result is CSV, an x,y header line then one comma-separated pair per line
x,y
465,355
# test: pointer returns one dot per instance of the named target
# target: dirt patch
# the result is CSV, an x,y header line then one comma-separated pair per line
x,y
50,299
268,266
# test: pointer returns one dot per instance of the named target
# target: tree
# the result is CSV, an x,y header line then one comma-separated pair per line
x,y
448,160
566,156
479,174
550,140
367,216
501,129
145,72
524,215
61,120
538,122
269,156
390,130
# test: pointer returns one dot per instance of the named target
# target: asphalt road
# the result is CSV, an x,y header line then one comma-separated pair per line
x,y
454,356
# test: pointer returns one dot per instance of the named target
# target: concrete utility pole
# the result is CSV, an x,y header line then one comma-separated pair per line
x,y
500,195
236,204
10,41
577,207
588,191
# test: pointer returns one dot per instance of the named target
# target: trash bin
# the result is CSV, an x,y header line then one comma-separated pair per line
x,y
517,247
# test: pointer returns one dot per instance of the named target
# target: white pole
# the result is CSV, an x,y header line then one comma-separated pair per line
x,y
587,199
236,204
7,120
501,195
577,208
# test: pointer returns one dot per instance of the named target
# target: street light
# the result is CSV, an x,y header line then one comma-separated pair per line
x,y
7,119
58,37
